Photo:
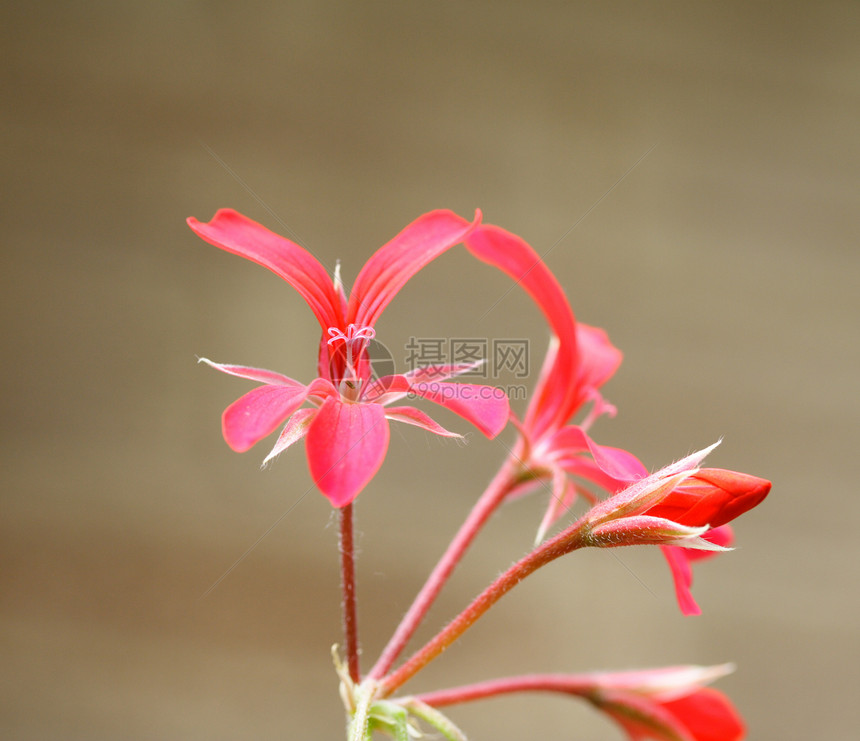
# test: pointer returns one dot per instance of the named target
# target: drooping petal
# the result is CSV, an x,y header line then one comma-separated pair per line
x,y
252,374
296,428
552,404
259,413
413,416
486,407
682,576
386,272
615,462
680,562
346,445
240,235
599,358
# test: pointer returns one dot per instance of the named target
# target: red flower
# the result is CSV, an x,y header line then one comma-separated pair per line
x,y
579,361
669,704
702,715
677,505
347,428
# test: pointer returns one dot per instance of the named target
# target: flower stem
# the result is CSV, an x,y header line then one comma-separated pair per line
x,y
565,542
571,684
484,507
347,579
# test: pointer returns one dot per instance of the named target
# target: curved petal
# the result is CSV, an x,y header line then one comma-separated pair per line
x,y
553,403
386,272
346,445
682,576
615,462
252,374
680,564
486,407
413,416
598,360
240,235
295,430
258,413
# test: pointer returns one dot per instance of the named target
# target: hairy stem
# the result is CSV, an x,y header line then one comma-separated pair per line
x,y
570,684
565,542
484,507
347,580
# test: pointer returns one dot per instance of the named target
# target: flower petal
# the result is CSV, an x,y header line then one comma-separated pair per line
x,y
346,445
386,272
553,402
707,715
240,235
682,576
598,357
712,496
413,416
486,407
252,374
680,564
296,429
615,462
258,414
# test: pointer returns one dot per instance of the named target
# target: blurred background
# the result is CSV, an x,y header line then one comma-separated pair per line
x,y
691,172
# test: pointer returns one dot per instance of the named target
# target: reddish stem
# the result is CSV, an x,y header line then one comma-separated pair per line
x,y
570,684
484,507
565,542
347,580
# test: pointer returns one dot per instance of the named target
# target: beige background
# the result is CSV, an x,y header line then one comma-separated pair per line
x,y
725,265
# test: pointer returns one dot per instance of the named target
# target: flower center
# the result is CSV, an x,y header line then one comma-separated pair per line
x,y
348,358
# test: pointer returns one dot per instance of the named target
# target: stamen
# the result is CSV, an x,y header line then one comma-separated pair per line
x,y
353,333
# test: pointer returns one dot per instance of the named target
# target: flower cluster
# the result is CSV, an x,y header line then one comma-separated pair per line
x,y
343,415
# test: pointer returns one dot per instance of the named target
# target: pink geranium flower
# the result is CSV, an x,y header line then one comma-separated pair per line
x,y
347,424
579,361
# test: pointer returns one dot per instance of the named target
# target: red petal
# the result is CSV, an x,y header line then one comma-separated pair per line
x,y
615,462
397,261
252,374
235,233
598,358
485,407
258,413
712,497
552,402
680,564
295,430
413,416
708,715
682,575
346,445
